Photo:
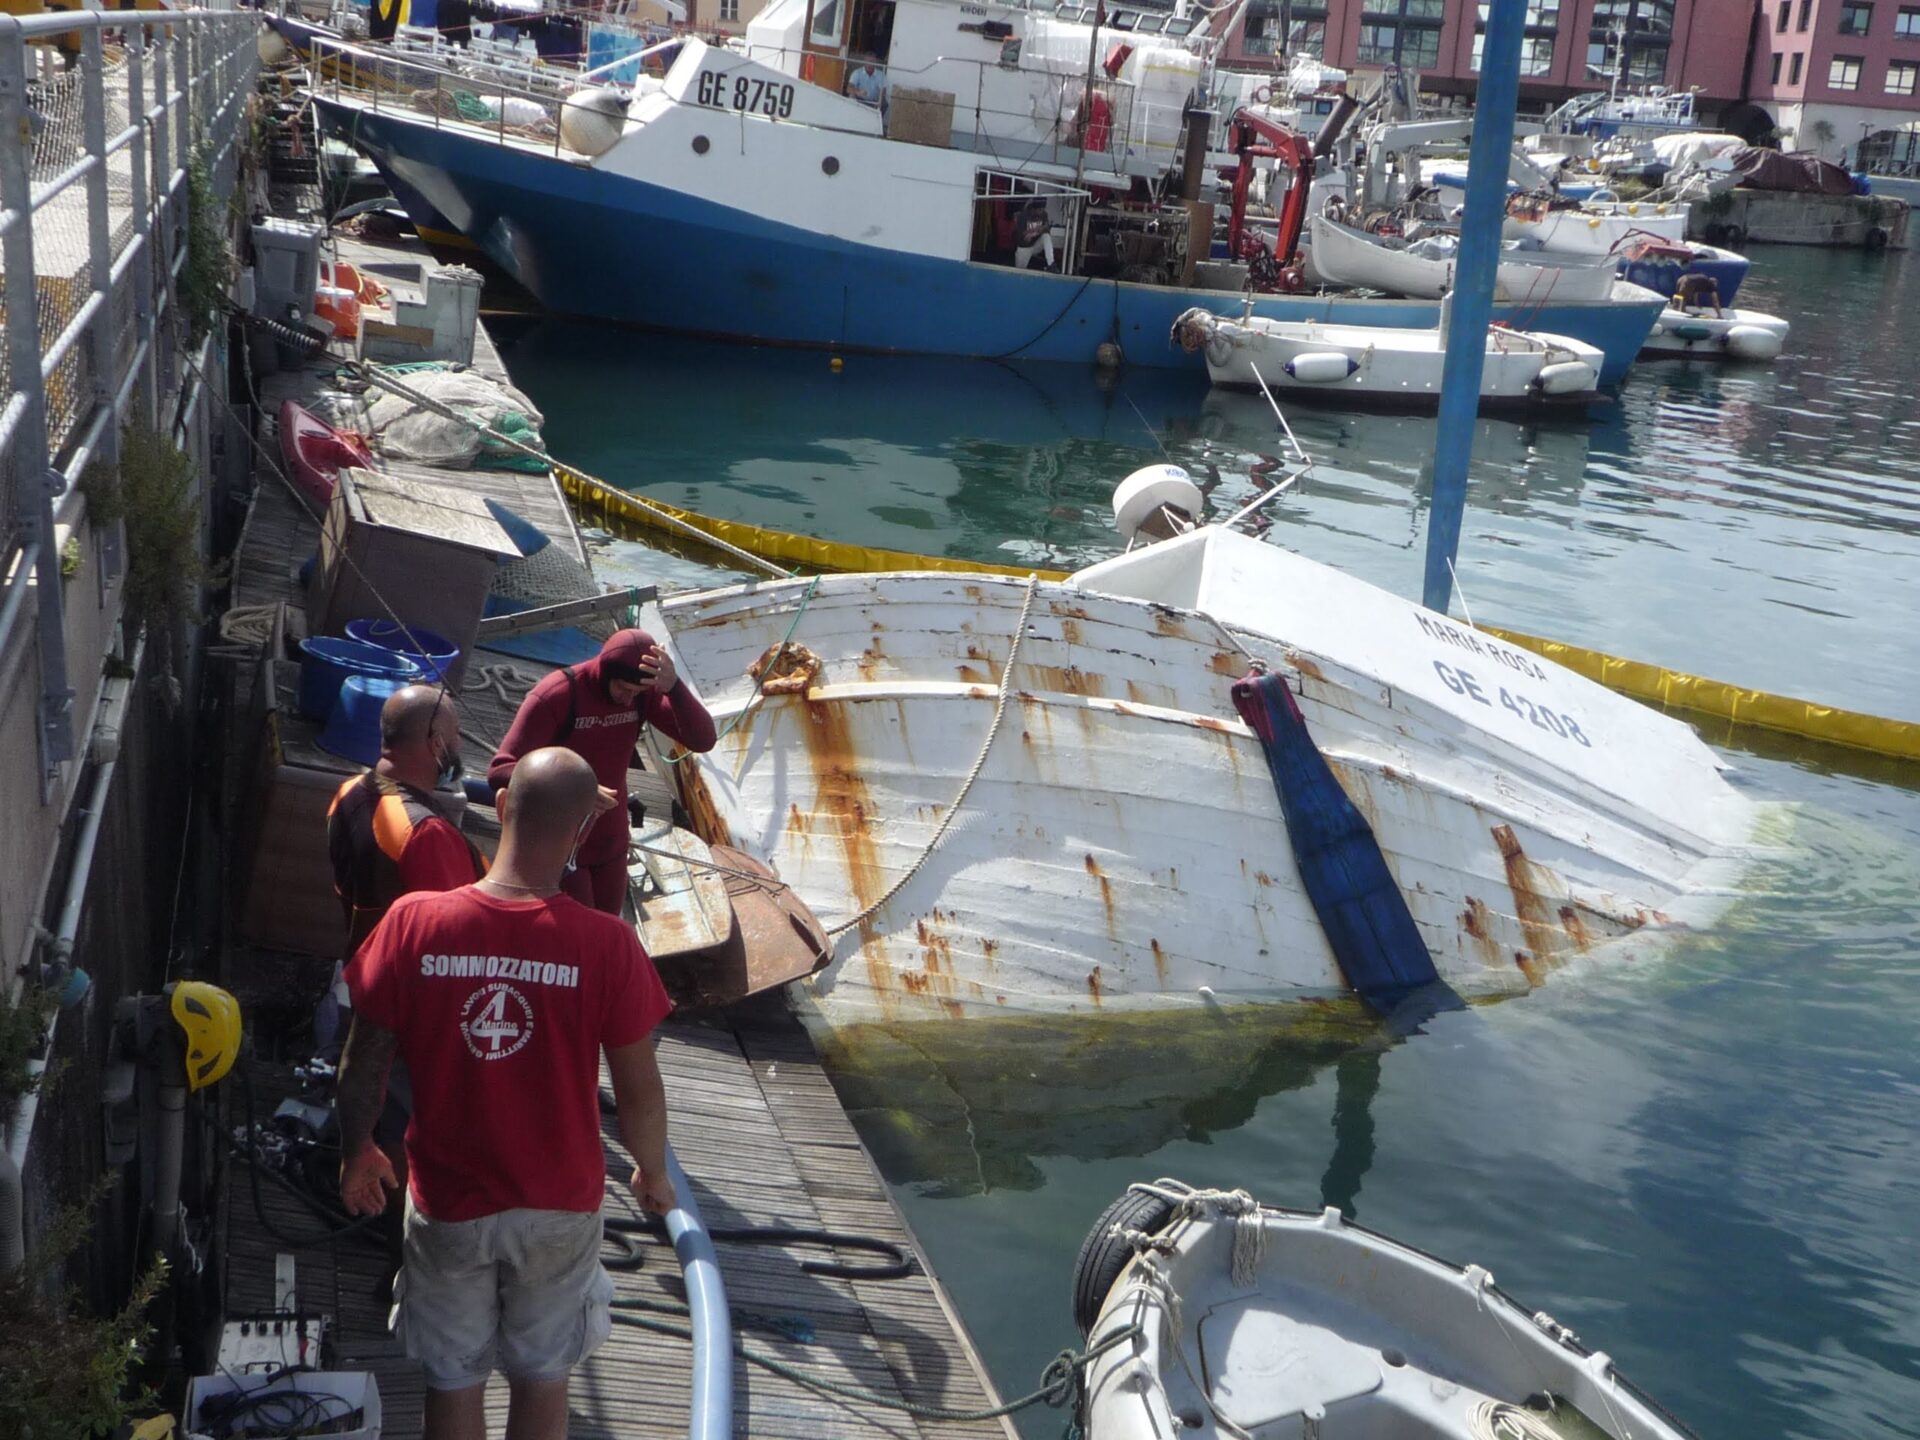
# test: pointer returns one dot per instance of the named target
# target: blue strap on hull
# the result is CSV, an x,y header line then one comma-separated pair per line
x,y
1341,868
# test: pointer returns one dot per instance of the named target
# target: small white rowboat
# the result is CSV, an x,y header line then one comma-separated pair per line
x,y
1341,255
1386,368
1224,1318
1732,334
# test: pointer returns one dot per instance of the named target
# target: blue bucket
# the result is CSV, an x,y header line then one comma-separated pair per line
x,y
434,654
326,661
353,729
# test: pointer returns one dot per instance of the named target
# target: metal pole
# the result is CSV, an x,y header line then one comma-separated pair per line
x,y
140,154
1472,299
710,1414
1086,98
32,471
93,124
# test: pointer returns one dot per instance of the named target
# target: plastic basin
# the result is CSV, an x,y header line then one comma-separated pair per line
x,y
353,729
433,654
326,661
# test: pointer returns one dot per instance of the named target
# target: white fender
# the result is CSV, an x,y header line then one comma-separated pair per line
x,y
591,120
1753,342
1568,377
1321,367
1141,494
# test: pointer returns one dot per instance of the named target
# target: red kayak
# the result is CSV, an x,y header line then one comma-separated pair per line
x,y
315,452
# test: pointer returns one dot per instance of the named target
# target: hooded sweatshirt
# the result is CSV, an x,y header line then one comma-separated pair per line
x,y
573,707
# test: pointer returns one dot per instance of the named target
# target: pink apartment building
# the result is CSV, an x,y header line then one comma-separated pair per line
x,y
1756,65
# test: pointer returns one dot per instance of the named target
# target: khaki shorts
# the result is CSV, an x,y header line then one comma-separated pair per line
x,y
522,1292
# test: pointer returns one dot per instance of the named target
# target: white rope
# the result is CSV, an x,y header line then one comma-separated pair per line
x,y
979,763
508,682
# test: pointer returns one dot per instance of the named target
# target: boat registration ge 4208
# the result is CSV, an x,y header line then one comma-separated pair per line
x,y
724,91
1462,681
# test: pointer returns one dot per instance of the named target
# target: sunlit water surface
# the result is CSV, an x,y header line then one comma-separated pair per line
x,y
1709,1166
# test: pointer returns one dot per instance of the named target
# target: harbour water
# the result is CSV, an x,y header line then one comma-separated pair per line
x,y
1705,1165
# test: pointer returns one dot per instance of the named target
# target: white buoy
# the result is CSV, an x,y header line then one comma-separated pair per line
x,y
1140,497
592,120
1568,377
1321,367
1753,342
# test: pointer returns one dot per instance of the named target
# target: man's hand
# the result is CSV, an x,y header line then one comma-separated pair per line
x,y
657,666
604,801
653,1190
365,1179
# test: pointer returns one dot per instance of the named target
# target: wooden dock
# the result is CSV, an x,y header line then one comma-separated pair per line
x,y
755,1122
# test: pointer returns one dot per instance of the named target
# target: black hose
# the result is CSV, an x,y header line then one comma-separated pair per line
x,y
899,1264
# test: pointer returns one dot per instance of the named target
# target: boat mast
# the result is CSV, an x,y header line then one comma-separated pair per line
x,y
1472,298
1086,98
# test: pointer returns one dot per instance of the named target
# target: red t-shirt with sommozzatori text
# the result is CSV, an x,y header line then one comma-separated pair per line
x,y
502,1008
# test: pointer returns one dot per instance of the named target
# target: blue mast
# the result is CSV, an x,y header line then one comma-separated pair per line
x,y
1472,300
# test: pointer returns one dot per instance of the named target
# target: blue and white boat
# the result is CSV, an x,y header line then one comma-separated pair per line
x,y
991,205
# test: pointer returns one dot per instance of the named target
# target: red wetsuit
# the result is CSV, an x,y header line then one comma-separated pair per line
x,y
573,707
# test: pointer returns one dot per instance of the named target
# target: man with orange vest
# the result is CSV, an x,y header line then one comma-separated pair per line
x,y
386,840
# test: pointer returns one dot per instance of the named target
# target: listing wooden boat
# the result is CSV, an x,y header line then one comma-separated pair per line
x,y
1214,1316
1342,255
1595,227
1727,334
1008,796
1386,368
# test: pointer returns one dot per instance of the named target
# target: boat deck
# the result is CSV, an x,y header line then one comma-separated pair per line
x,y
755,1121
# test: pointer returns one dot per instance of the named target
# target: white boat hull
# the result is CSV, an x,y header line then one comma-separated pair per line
x,y
1731,335
1123,845
1240,1322
1388,368
1601,229
1343,256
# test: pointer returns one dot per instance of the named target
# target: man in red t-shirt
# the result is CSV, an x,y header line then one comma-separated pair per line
x,y
596,710
501,998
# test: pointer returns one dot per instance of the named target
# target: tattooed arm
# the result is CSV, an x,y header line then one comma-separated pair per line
x,y
365,1172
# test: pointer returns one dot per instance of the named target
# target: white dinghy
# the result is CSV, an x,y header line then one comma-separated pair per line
x,y
1022,797
1221,1319
1595,227
1729,334
1386,368
1341,255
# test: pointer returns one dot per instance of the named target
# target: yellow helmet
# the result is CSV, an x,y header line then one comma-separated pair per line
x,y
211,1019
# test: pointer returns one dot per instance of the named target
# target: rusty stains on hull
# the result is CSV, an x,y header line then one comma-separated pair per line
x,y
1093,985
1477,921
698,802
972,674
1576,928
1168,624
841,796
1070,632
1531,908
1225,662
1159,962
1306,666
1106,893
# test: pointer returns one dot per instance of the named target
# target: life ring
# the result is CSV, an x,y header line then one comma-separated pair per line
x,y
1105,1253
1876,238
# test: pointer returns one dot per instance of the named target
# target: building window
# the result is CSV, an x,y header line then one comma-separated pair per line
x,y
730,10
1307,35
1410,37
1303,26
1806,13
1536,43
1906,25
1629,39
1901,77
1780,19
1793,70
1776,69
1855,18
1843,72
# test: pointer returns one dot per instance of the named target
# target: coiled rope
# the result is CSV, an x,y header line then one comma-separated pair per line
x,y
979,764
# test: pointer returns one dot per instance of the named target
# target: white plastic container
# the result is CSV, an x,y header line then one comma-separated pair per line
x,y
301,1403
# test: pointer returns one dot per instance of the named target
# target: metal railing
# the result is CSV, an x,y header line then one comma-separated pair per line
x,y
100,112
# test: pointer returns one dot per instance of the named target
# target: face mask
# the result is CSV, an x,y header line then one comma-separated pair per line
x,y
452,768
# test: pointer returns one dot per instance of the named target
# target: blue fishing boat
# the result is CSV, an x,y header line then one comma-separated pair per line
x,y
981,208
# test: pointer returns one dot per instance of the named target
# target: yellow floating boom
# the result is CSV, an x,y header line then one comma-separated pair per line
x,y
1900,739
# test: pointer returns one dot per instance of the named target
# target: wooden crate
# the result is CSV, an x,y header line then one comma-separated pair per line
x,y
288,901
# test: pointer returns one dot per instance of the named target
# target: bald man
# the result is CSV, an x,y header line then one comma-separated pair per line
x,y
501,997
384,835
